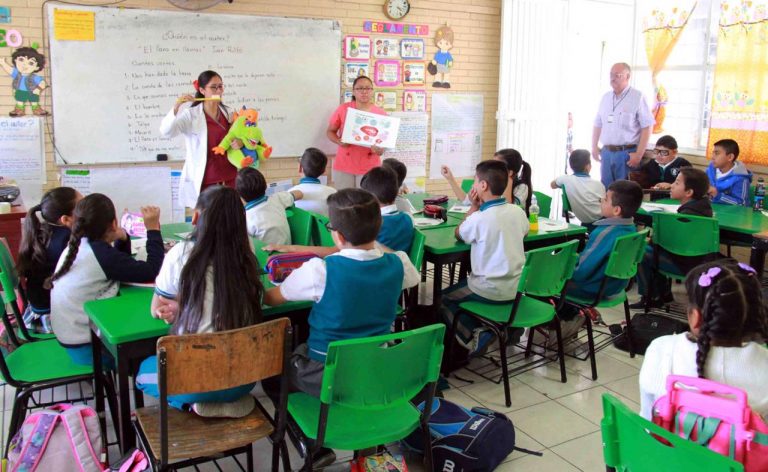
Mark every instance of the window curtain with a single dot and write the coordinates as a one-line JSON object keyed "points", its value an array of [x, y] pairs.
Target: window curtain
{"points": [[662, 28], [740, 89]]}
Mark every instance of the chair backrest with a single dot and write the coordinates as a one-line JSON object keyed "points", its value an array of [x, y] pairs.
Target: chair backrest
{"points": [[217, 361], [686, 235], [566, 204], [380, 371], [6, 262], [300, 222], [547, 269], [545, 203], [628, 251], [416, 254], [466, 185], [322, 235], [630, 443]]}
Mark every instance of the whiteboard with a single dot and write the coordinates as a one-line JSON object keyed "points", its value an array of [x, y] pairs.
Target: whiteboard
{"points": [[109, 95]]}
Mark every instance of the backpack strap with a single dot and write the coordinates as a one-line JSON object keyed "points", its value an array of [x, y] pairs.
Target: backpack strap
{"points": [[38, 439], [80, 440]]}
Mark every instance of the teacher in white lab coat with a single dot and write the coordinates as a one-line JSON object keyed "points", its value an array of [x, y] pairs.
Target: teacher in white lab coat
{"points": [[203, 123]]}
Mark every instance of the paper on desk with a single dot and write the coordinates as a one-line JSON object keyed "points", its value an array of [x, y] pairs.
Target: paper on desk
{"points": [[183, 235], [458, 208], [665, 207], [546, 225], [138, 243]]}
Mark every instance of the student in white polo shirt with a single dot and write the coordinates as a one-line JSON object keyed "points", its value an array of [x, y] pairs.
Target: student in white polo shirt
{"points": [[583, 192], [312, 164], [495, 229], [265, 216]]}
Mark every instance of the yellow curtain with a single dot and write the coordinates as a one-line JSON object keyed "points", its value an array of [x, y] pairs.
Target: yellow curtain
{"points": [[662, 28], [740, 89]]}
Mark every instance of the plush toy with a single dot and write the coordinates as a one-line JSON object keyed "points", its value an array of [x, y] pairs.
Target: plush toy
{"points": [[246, 130]]}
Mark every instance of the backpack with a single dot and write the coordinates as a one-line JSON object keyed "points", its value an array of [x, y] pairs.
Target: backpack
{"points": [[716, 416], [463, 440], [645, 328], [280, 266], [62, 438]]}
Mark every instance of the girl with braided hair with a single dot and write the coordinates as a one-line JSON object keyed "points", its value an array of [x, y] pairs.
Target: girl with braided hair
{"points": [[95, 261], [727, 338]]}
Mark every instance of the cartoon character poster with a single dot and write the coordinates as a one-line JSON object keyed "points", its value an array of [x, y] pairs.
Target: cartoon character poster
{"points": [[387, 73], [413, 73], [27, 83], [386, 48], [412, 48], [357, 48], [386, 100], [369, 129], [441, 64], [415, 100], [353, 70]]}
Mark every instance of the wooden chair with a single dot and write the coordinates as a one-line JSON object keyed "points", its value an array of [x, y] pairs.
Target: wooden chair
{"points": [[196, 363]]}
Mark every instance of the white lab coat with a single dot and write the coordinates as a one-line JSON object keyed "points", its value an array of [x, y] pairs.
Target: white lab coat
{"points": [[190, 122]]}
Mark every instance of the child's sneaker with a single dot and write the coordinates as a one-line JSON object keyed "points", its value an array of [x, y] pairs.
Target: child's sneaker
{"points": [[239, 408]]}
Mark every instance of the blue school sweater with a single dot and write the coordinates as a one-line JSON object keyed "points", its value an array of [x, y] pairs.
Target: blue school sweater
{"points": [[396, 229], [359, 300], [733, 188], [590, 269]]}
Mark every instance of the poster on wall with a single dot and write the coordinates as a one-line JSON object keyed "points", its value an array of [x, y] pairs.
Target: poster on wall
{"points": [[387, 73], [413, 73], [386, 48], [386, 100], [414, 100], [369, 129], [347, 96], [23, 155], [357, 48], [353, 70], [412, 48], [411, 147], [457, 133]]}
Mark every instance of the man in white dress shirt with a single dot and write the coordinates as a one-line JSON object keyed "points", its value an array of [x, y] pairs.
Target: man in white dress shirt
{"points": [[623, 125]]}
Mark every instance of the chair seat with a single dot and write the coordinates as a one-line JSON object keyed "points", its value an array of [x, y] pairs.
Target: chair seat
{"points": [[36, 336], [190, 435], [531, 312], [617, 299], [351, 428], [43, 360], [672, 275]]}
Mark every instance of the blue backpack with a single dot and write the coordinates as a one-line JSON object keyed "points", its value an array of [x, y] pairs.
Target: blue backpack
{"points": [[475, 440]]}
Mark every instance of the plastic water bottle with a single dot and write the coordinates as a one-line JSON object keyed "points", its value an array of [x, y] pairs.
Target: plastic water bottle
{"points": [[533, 214], [759, 195]]}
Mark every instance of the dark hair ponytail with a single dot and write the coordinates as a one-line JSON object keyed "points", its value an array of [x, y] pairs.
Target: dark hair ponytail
{"points": [[93, 216], [221, 245], [728, 296], [36, 230], [520, 170]]}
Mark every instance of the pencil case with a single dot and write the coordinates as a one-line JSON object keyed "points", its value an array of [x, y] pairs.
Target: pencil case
{"points": [[436, 212], [280, 266], [436, 200]]}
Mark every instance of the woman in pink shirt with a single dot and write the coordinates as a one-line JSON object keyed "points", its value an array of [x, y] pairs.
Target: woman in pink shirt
{"points": [[352, 161]]}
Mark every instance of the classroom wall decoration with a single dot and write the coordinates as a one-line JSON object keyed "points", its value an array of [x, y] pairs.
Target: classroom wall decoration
{"points": [[412, 48], [357, 48], [415, 100], [10, 38], [386, 100], [26, 81], [5, 15], [413, 73], [387, 73], [353, 70], [441, 64], [386, 48], [347, 96], [395, 28]]}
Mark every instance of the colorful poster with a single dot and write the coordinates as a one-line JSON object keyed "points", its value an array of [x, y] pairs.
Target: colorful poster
{"points": [[74, 25], [395, 28], [457, 133], [386, 48], [415, 100], [369, 129], [412, 48], [411, 147], [386, 100], [387, 73], [347, 96], [413, 73], [357, 48], [353, 70]]}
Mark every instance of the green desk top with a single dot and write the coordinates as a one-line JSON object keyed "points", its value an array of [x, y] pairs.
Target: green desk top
{"points": [[736, 218], [172, 230]]}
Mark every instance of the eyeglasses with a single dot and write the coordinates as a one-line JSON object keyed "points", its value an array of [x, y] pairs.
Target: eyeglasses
{"points": [[618, 76], [661, 152], [216, 87], [363, 89]]}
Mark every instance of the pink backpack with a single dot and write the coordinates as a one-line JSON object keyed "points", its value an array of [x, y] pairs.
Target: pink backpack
{"points": [[716, 416], [62, 438]]}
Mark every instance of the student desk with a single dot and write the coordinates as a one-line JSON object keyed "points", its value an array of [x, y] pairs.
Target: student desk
{"points": [[737, 223], [124, 327]]}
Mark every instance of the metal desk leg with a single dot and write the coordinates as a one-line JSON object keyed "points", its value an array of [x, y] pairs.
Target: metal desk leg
{"points": [[125, 430], [98, 386], [757, 256]]}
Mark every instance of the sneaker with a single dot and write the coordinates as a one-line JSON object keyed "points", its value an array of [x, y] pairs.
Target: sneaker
{"points": [[322, 458], [239, 408], [481, 339]]}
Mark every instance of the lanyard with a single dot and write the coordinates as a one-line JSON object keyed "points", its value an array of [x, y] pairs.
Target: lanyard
{"points": [[615, 103]]}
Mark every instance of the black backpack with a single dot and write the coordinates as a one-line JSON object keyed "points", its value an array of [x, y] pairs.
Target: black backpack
{"points": [[645, 328], [463, 440]]}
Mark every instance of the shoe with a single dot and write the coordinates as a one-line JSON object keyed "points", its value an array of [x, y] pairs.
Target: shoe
{"points": [[322, 458], [437, 84], [640, 305], [17, 112], [446, 85], [239, 408], [40, 112]]}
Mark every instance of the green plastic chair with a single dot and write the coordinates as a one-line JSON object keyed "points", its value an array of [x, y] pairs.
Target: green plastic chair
{"points": [[322, 235], [632, 443], [466, 185], [544, 275], [410, 296], [11, 288], [300, 221], [566, 205], [368, 385], [627, 252], [41, 365], [545, 203]]}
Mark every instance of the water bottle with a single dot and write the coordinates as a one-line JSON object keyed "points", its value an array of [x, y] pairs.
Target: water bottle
{"points": [[533, 214], [759, 195]]}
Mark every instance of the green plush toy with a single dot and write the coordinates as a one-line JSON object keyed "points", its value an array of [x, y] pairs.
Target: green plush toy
{"points": [[246, 130]]}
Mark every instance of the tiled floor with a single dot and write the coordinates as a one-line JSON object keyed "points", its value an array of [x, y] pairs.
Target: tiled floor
{"points": [[560, 420]]}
